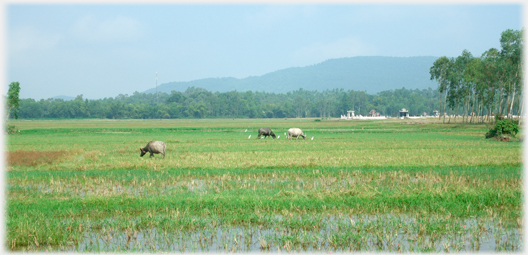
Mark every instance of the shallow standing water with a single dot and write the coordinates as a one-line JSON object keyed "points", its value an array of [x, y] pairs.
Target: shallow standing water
{"points": [[339, 234]]}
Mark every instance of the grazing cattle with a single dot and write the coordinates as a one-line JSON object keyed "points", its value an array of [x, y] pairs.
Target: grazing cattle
{"points": [[266, 132], [153, 147], [295, 132]]}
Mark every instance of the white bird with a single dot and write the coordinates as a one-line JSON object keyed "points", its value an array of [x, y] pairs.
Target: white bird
{"points": [[249, 137], [278, 137], [284, 133], [246, 130], [262, 137], [312, 138]]}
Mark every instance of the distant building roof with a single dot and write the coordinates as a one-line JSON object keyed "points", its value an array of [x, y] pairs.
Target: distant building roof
{"points": [[403, 110]]}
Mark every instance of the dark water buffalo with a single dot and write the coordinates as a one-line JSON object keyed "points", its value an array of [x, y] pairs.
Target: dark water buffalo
{"points": [[265, 132], [153, 147]]}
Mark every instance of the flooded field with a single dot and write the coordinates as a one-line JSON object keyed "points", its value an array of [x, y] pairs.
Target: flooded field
{"points": [[429, 188]]}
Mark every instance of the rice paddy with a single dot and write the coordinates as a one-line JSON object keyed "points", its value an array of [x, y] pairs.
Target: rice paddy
{"points": [[391, 186]]}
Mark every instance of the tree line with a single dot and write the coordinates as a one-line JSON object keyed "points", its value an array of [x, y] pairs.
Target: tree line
{"points": [[483, 86], [200, 103]]}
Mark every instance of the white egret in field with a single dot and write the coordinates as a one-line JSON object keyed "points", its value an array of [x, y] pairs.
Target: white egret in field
{"points": [[262, 137], [312, 138], [246, 130], [284, 133], [278, 137], [249, 137]]}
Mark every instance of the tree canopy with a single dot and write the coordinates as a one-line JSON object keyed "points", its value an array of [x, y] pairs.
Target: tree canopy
{"points": [[200, 103], [486, 85]]}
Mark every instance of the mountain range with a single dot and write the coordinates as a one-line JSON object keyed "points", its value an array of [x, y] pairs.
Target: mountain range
{"points": [[370, 73]]}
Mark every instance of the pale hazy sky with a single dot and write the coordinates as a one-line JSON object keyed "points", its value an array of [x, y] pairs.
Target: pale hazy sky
{"points": [[105, 50]]}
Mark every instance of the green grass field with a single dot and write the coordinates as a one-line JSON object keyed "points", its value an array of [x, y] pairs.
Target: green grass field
{"points": [[393, 185]]}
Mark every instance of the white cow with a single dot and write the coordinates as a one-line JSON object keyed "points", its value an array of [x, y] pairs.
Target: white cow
{"points": [[295, 132]]}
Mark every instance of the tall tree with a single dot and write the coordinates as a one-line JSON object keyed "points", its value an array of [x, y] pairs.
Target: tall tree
{"points": [[512, 47], [439, 72], [491, 75], [12, 99], [464, 79]]}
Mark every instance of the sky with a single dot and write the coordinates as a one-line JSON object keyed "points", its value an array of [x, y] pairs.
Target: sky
{"points": [[103, 50]]}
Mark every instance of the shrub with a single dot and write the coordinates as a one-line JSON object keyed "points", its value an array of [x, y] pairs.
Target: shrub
{"points": [[11, 129], [317, 120], [503, 127]]}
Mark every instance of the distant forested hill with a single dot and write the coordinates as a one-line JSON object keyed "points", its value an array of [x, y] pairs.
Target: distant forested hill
{"points": [[370, 74]]}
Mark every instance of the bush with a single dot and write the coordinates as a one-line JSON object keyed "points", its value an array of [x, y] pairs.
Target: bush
{"points": [[317, 120], [503, 127], [11, 129]]}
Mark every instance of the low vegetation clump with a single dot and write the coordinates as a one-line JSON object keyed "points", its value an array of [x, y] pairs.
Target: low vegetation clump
{"points": [[503, 127], [358, 186], [11, 129]]}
